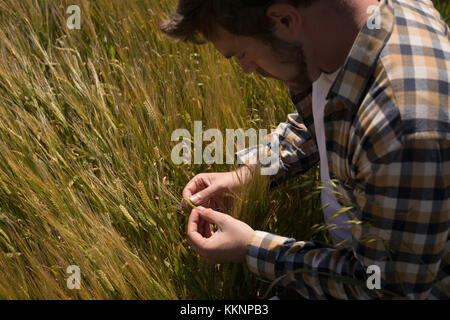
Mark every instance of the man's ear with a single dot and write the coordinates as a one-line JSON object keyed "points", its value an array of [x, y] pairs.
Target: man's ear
{"points": [[286, 17]]}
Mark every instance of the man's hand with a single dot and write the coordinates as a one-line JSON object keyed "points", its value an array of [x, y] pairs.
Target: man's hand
{"points": [[212, 190], [227, 244]]}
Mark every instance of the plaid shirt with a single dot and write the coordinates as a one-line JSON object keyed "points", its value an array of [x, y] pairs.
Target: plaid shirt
{"points": [[387, 134]]}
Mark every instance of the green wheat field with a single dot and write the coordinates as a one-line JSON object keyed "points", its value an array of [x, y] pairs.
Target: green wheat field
{"points": [[86, 176]]}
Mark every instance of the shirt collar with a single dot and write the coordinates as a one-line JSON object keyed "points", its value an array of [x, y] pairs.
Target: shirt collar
{"points": [[351, 83]]}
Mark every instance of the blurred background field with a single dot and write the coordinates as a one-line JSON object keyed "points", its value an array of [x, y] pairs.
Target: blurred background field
{"points": [[86, 177]]}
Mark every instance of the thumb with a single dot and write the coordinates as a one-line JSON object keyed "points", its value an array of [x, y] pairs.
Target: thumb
{"points": [[203, 196], [212, 216]]}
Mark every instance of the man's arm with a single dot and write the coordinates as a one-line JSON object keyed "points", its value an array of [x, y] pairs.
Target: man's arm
{"points": [[297, 149], [402, 227]]}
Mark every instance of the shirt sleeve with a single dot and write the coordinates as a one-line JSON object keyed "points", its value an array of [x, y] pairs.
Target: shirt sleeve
{"points": [[290, 150], [400, 224]]}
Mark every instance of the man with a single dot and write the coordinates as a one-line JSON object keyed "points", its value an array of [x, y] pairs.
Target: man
{"points": [[370, 83]]}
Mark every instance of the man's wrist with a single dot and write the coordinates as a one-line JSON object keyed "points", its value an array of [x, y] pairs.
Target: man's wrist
{"points": [[249, 244], [262, 253], [243, 175]]}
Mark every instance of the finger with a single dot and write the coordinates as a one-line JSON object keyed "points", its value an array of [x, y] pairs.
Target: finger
{"points": [[209, 231], [206, 229], [200, 244], [186, 195], [195, 238], [212, 216], [202, 227], [187, 191], [203, 196], [195, 185]]}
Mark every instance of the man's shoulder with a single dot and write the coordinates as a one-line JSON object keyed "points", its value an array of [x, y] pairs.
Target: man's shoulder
{"points": [[410, 90], [421, 14], [419, 40]]}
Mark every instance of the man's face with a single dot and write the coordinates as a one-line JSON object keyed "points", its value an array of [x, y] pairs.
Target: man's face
{"points": [[279, 60]]}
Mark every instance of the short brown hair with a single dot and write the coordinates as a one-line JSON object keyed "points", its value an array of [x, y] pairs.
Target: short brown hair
{"points": [[196, 20]]}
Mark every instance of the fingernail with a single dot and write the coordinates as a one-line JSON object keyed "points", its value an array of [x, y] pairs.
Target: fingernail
{"points": [[194, 198], [200, 208]]}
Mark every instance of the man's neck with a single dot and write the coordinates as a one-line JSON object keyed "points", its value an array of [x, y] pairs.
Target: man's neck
{"points": [[331, 28]]}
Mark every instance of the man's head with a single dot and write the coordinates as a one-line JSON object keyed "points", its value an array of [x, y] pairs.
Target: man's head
{"points": [[264, 35]]}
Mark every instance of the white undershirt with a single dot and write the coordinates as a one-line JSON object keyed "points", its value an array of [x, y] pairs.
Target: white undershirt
{"points": [[321, 87]]}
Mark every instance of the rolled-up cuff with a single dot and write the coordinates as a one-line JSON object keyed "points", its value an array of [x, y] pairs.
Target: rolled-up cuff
{"points": [[262, 252], [265, 156], [248, 157]]}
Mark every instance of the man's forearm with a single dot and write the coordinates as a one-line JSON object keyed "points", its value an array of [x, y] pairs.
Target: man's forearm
{"points": [[243, 175]]}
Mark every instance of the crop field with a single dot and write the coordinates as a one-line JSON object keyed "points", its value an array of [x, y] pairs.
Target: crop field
{"points": [[86, 176]]}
